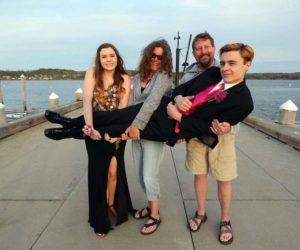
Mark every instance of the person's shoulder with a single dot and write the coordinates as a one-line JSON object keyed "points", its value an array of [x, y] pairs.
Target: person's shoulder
{"points": [[164, 74], [90, 74], [192, 66], [90, 70], [126, 77], [135, 78]]}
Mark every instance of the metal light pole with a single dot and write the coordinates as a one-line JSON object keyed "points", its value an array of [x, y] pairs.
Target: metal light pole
{"points": [[187, 54], [177, 60], [23, 83]]}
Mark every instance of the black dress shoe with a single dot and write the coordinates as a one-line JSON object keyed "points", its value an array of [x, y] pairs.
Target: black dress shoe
{"points": [[58, 133], [55, 117]]}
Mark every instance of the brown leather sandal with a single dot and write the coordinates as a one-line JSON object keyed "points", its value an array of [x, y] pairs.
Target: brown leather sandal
{"points": [[156, 223], [226, 229], [139, 214], [195, 219]]}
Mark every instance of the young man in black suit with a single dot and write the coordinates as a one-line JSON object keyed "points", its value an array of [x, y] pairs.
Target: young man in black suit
{"points": [[221, 160]]}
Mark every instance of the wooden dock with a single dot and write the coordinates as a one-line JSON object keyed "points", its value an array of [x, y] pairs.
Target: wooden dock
{"points": [[43, 197]]}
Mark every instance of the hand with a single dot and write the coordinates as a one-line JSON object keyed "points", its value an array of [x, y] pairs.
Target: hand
{"points": [[133, 132], [111, 139], [173, 112], [87, 130], [95, 135], [180, 141], [184, 103], [220, 128], [124, 137]]}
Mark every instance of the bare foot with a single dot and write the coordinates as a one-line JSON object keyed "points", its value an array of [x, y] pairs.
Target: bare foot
{"points": [[101, 236], [111, 139], [124, 137]]}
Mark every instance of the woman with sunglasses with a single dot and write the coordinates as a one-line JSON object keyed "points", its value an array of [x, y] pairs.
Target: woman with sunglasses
{"points": [[150, 84]]}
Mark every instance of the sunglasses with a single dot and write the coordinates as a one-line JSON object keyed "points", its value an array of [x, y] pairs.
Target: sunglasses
{"points": [[159, 57]]}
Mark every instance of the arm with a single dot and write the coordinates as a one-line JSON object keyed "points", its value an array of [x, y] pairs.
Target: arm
{"points": [[192, 125], [88, 89], [161, 86]]}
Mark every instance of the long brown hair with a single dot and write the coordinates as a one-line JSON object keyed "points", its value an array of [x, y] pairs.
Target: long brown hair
{"points": [[166, 63], [119, 71]]}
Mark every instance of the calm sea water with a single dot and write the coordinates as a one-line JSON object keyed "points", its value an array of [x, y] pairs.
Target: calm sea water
{"points": [[38, 92], [268, 95]]}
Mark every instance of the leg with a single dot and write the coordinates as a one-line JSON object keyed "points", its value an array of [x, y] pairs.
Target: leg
{"points": [[100, 118], [63, 133], [197, 164], [111, 187], [223, 167], [112, 181], [152, 156], [200, 185], [225, 195]]}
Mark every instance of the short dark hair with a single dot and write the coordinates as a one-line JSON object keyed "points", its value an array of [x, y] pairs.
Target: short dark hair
{"points": [[205, 35]]}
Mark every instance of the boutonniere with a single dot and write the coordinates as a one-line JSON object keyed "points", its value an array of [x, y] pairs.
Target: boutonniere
{"points": [[219, 97]]}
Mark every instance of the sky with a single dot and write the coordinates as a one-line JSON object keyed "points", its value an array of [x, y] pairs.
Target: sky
{"points": [[65, 34]]}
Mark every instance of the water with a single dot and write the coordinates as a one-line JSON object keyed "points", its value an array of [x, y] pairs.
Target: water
{"points": [[37, 93], [268, 95]]}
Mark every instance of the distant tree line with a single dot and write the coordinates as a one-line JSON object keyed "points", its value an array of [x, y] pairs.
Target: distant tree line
{"points": [[45, 74], [65, 74], [274, 76]]}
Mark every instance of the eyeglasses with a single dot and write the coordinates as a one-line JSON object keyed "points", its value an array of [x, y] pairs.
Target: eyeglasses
{"points": [[159, 57]]}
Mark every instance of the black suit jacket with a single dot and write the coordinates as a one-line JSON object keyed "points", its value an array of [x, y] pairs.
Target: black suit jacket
{"points": [[234, 108]]}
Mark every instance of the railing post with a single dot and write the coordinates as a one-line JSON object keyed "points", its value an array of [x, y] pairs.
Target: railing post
{"points": [[78, 95], [53, 100], [288, 113], [2, 114], [23, 83]]}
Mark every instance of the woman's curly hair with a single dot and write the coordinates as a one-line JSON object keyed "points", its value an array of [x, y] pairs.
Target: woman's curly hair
{"points": [[166, 63]]}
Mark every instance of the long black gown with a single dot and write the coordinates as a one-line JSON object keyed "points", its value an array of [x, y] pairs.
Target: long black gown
{"points": [[100, 154]]}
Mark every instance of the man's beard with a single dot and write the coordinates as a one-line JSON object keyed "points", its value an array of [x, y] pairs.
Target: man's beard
{"points": [[206, 63]]}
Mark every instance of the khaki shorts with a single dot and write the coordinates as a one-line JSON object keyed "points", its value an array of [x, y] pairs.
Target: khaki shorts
{"points": [[220, 161]]}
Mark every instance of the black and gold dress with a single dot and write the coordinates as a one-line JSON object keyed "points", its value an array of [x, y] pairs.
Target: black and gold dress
{"points": [[100, 154]]}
